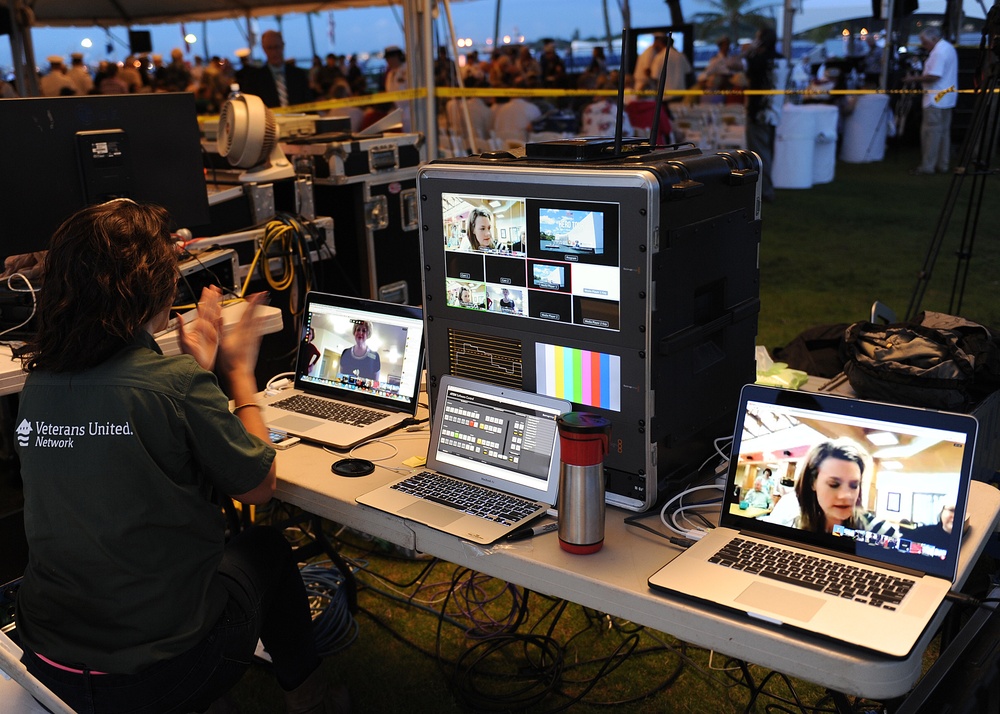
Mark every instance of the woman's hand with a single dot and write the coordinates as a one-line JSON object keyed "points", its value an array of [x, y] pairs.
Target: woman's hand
{"points": [[201, 338], [239, 346]]}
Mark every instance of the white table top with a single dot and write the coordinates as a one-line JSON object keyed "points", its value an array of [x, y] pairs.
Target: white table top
{"points": [[12, 376], [613, 580]]}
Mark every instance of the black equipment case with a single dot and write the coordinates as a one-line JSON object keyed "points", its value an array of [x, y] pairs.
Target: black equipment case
{"points": [[367, 184], [625, 282]]}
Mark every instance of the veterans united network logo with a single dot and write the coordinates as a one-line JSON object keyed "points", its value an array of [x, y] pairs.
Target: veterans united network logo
{"points": [[24, 432]]}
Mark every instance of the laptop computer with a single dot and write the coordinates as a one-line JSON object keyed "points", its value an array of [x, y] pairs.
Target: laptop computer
{"points": [[490, 436], [357, 372], [862, 486]]}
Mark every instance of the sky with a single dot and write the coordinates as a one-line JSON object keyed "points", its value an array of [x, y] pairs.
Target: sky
{"points": [[352, 31]]}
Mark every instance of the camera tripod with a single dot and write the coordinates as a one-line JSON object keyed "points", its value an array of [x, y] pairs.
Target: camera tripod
{"points": [[977, 152]]}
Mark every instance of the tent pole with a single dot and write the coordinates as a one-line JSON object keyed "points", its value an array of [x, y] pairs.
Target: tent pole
{"points": [[467, 119]]}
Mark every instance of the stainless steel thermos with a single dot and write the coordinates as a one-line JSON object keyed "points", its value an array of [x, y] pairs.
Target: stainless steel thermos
{"points": [[583, 444]]}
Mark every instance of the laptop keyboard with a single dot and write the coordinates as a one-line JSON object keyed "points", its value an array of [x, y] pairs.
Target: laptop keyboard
{"points": [[467, 497], [329, 410], [809, 571]]}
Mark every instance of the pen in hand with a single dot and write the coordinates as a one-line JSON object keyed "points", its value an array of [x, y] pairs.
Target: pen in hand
{"points": [[523, 533]]}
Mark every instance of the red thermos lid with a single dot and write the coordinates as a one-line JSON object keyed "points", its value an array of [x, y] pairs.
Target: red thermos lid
{"points": [[583, 438]]}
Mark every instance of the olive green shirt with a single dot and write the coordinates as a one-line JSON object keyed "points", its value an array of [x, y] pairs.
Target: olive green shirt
{"points": [[119, 463]]}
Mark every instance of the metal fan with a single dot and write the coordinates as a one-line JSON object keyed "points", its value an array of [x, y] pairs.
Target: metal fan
{"points": [[248, 138]]}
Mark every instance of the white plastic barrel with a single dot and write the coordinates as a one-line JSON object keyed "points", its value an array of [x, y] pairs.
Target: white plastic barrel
{"points": [[825, 151], [794, 148], [865, 130]]}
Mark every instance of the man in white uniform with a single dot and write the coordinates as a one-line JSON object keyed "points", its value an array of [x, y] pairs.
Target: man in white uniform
{"points": [[56, 83], [939, 76]]}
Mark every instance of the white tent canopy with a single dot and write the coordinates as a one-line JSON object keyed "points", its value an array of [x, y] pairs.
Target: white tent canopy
{"points": [[106, 13], [25, 14]]}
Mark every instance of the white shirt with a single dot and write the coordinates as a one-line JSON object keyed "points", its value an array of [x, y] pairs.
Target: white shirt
{"points": [[512, 121], [395, 81], [942, 63], [640, 79], [53, 84], [81, 78], [678, 68], [479, 114]]}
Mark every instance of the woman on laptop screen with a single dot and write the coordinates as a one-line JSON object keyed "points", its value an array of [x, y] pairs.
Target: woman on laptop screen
{"points": [[480, 230], [828, 489], [360, 361]]}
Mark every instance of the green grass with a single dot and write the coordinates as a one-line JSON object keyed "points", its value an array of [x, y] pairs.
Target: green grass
{"points": [[561, 656], [826, 254]]}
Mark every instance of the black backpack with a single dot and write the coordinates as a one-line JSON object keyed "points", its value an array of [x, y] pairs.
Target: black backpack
{"points": [[938, 361]]}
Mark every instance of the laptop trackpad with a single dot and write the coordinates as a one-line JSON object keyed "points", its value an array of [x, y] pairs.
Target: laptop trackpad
{"points": [[782, 602], [294, 424], [430, 513]]}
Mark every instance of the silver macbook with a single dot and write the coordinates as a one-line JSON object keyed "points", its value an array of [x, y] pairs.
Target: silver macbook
{"points": [[500, 443], [842, 518], [357, 372]]}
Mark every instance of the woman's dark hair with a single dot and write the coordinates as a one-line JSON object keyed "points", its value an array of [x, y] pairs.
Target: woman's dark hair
{"points": [[474, 215], [110, 269], [811, 516]]}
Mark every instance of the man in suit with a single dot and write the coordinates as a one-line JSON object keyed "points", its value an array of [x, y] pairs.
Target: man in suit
{"points": [[267, 81]]}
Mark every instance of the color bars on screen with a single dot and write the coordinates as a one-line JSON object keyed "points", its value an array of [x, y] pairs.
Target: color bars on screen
{"points": [[581, 376]]}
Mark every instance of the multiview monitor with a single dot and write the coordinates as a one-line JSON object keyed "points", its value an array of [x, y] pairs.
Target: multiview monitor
{"points": [[522, 257]]}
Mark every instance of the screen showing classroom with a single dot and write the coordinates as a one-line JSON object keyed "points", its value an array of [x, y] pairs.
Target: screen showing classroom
{"points": [[532, 258]]}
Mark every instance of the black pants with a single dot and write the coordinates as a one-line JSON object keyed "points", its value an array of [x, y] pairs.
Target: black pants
{"points": [[267, 600]]}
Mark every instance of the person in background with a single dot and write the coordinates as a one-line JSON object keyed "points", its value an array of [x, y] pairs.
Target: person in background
{"points": [[342, 90], [758, 496], [642, 74], [130, 74], [355, 77], [598, 62], [679, 72], [246, 66], [479, 114], [80, 75], [361, 361], [526, 65], [445, 74], [553, 67], [120, 611], [600, 117], [718, 74], [278, 83], [7, 90], [176, 76], [936, 534], [473, 68], [763, 111], [395, 80], [514, 118], [56, 83], [940, 74], [308, 352], [111, 81]]}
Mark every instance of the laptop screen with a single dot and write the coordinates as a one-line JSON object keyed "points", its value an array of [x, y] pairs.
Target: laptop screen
{"points": [[362, 349], [884, 482], [501, 437]]}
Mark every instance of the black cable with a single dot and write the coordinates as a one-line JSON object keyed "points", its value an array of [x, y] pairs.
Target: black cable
{"points": [[676, 540], [968, 600]]}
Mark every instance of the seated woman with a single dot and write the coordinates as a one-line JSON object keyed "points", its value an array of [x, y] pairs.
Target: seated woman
{"points": [[132, 599], [828, 489]]}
